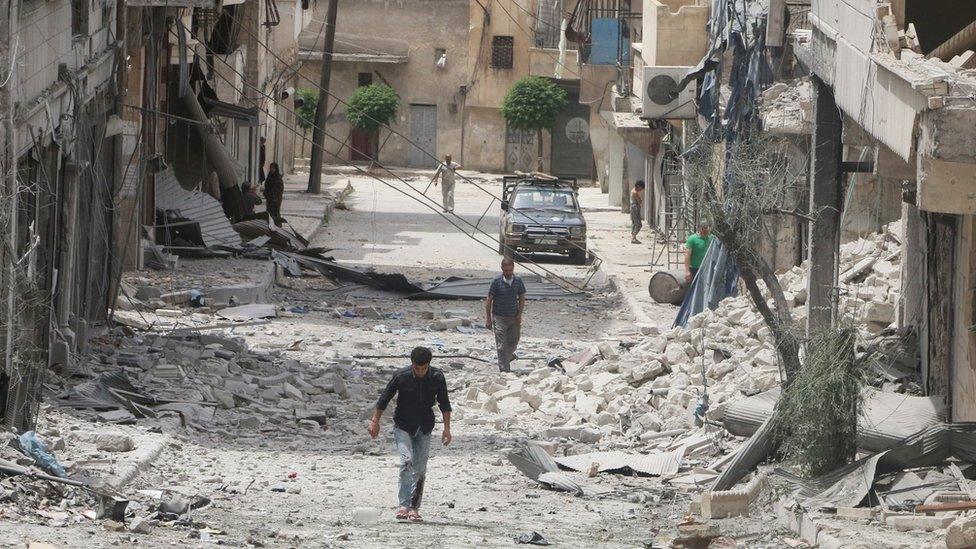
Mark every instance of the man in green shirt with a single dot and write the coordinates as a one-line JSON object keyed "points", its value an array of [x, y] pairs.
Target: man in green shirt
{"points": [[695, 248]]}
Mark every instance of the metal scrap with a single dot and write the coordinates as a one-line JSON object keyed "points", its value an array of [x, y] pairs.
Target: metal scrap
{"points": [[538, 465], [886, 418], [657, 464], [848, 486]]}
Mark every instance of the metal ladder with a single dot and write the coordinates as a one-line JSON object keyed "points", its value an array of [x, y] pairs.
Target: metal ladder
{"points": [[680, 214]]}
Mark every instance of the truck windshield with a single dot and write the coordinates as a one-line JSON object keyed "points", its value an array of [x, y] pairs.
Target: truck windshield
{"points": [[543, 199]]}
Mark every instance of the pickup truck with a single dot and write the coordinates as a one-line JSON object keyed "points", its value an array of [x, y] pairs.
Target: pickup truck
{"points": [[541, 214]]}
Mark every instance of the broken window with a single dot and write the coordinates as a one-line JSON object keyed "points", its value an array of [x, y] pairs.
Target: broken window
{"points": [[365, 79], [502, 52], [79, 18]]}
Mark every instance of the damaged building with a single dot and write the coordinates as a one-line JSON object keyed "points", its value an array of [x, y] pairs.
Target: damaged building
{"points": [[62, 145], [906, 97]]}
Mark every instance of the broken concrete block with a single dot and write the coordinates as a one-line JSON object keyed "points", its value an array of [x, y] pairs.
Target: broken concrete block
{"points": [[675, 354], [531, 397], [114, 442], [732, 503], [905, 523], [224, 398], [292, 392], [880, 313], [272, 393], [240, 387], [961, 534], [604, 418], [564, 432], [608, 351], [446, 324], [646, 371], [857, 513], [141, 525]]}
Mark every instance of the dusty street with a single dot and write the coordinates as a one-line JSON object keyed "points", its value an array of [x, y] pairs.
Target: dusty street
{"points": [[259, 438], [300, 488]]}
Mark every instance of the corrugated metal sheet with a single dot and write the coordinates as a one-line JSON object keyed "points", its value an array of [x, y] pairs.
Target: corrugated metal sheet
{"points": [[847, 486], [886, 418], [196, 206], [658, 464]]}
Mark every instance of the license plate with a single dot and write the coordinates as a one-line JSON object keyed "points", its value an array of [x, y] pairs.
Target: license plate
{"points": [[547, 241]]}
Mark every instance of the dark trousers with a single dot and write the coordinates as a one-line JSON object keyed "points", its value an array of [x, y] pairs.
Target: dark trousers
{"points": [[274, 210]]}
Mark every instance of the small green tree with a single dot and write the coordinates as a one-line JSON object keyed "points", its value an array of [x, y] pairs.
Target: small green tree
{"points": [[532, 105], [372, 106], [306, 113]]}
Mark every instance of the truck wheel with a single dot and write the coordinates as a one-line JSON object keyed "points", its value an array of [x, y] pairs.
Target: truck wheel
{"points": [[578, 257]]}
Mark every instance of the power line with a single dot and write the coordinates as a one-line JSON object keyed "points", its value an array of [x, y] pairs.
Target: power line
{"points": [[388, 127], [427, 204]]}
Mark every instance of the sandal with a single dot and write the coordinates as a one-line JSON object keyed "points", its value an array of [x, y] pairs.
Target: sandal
{"points": [[415, 516], [403, 514]]}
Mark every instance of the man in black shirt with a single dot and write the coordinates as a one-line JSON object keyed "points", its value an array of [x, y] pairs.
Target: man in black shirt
{"points": [[417, 388]]}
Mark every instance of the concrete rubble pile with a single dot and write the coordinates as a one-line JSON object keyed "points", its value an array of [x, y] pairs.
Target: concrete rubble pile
{"points": [[215, 384], [643, 393]]}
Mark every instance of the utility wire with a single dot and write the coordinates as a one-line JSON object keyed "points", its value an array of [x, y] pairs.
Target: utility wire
{"points": [[338, 100], [429, 203]]}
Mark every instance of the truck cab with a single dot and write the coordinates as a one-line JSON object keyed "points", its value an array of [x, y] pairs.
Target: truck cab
{"points": [[541, 214]]}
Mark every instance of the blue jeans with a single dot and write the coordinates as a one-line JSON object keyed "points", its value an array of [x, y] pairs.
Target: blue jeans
{"points": [[414, 451]]}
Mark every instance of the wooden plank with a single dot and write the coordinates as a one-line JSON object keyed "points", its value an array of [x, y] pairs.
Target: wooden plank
{"points": [[946, 187], [951, 506]]}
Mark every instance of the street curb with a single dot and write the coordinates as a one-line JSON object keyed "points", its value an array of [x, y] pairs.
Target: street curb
{"points": [[640, 317], [144, 458], [805, 526]]}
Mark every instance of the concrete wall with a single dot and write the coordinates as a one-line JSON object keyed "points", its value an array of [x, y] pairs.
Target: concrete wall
{"points": [[964, 348], [675, 32], [45, 39], [424, 25]]}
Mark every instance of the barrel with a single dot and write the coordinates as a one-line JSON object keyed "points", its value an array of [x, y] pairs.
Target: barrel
{"points": [[668, 287]]}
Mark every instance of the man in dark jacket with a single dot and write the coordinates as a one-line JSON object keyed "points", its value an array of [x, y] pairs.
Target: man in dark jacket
{"points": [[417, 388], [274, 191]]}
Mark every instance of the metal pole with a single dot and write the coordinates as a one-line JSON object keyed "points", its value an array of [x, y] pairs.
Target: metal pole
{"points": [[318, 132]]}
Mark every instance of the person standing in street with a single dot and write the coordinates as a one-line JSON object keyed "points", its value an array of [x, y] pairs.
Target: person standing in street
{"points": [[274, 192], [503, 309], [261, 157], [416, 387], [695, 248], [636, 211], [446, 172]]}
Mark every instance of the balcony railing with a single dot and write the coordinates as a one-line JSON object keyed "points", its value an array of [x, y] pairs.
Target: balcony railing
{"points": [[547, 23]]}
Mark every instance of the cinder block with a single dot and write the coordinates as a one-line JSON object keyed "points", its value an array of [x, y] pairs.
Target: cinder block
{"points": [[731, 503]]}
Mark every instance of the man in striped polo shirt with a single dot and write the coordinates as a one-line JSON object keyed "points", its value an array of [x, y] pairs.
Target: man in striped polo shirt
{"points": [[503, 309]]}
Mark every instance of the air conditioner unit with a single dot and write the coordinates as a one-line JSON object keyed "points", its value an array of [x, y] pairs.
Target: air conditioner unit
{"points": [[662, 100]]}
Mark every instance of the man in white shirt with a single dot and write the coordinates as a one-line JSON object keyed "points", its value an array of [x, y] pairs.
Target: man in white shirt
{"points": [[446, 173]]}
